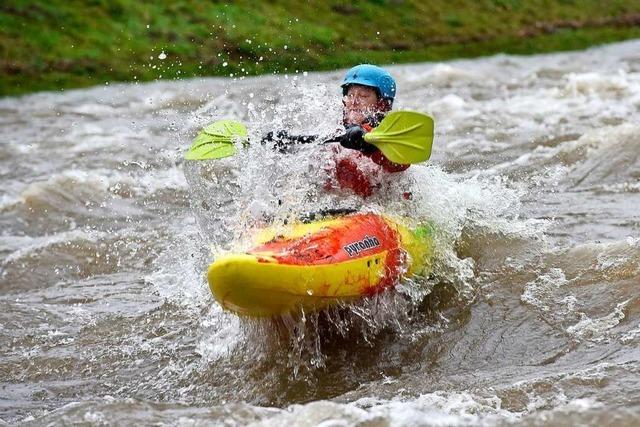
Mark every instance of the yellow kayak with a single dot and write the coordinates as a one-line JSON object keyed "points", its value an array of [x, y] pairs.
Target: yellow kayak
{"points": [[313, 265]]}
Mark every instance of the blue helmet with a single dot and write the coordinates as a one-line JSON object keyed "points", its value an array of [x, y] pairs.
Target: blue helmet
{"points": [[372, 76]]}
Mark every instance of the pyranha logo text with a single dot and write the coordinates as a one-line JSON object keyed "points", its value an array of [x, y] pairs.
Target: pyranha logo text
{"points": [[361, 245]]}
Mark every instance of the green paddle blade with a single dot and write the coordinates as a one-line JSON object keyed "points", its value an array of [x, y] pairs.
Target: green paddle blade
{"points": [[404, 137], [211, 151], [217, 141]]}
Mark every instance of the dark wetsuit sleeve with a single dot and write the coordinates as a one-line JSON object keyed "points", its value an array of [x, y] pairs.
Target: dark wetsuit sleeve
{"points": [[283, 141]]}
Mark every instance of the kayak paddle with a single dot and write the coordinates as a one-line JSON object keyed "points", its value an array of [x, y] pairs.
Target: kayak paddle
{"points": [[404, 137], [216, 141]]}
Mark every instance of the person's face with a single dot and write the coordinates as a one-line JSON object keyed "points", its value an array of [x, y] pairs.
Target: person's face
{"points": [[359, 103]]}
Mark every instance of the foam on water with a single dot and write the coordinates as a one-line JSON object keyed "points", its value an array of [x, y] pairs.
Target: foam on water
{"points": [[596, 329]]}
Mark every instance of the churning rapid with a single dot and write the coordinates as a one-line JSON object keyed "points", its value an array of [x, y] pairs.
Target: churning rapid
{"points": [[531, 316]]}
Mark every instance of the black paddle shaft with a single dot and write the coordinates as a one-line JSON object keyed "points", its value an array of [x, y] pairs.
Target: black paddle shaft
{"points": [[353, 138]]}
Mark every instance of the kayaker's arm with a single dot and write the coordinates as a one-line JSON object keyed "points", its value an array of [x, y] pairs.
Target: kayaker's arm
{"points": [[352, 139], [283, 141]]}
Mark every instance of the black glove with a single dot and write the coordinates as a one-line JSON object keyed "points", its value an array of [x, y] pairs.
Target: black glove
{"points": [[354, 139]]}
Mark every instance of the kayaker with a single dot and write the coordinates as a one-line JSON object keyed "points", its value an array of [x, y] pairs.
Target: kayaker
{"points": [[368, 94]]}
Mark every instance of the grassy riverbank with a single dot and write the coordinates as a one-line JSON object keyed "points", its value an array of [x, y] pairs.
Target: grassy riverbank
{"points": [[50, 45]]}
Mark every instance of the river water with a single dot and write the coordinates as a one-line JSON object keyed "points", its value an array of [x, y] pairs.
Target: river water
{"points": [[530, 318]]}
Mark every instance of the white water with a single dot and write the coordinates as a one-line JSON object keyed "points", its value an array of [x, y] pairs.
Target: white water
{"points": [[531, 317]]}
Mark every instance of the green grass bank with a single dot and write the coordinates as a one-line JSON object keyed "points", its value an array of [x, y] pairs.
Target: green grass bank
{"points": [[52, 45]]}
